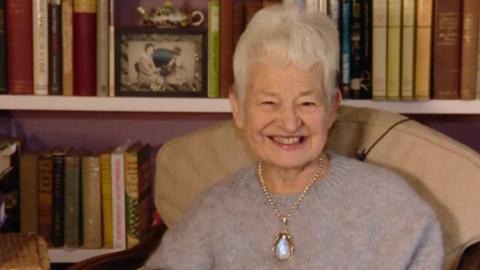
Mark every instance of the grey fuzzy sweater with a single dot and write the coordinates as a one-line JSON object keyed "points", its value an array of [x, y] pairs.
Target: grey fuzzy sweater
{"points": [[358, 217]]}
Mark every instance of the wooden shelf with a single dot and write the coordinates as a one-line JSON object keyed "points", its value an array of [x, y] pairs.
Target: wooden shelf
{"points": [[210, 105], [60, 255]]}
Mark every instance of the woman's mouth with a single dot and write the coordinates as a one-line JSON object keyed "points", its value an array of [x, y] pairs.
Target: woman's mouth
{"points": [[290, 140]]}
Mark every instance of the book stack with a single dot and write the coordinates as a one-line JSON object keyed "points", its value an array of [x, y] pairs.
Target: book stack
{"points": [[79, 199]]}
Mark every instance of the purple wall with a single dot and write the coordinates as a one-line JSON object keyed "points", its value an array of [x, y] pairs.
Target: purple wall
{"points": [[97, 130]]}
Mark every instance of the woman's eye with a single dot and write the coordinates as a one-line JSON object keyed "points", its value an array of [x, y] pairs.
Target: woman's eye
{"points": [[309, 104], [267, 102]]}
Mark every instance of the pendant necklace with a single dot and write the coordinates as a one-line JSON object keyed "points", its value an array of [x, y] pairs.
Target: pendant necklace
{"points": [[283, 246]]}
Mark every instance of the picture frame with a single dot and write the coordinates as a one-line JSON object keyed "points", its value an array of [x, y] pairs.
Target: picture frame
{"points": [[152, 61]]}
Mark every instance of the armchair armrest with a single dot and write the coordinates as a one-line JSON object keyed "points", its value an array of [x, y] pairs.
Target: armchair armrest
{"points": [[470, 259], [131, 258]]}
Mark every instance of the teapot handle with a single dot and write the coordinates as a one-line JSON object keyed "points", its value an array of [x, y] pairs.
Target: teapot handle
{"points": [[197, 18]]}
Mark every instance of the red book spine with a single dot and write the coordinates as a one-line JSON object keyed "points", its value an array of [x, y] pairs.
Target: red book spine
{"points": [[226, 46], [84, 48], [19, 46]]}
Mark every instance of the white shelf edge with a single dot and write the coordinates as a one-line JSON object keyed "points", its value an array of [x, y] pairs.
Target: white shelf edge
{"points": [[61, 255], [210, 105], [421, 107], [114, 104]]}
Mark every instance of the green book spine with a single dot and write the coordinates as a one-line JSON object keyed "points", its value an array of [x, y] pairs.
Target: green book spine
{"points": [[213, 48]]}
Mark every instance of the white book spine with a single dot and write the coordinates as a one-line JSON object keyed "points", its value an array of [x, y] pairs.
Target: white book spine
{"points": [[117, 162], [40, 46], [118, 200], [102, 47]]}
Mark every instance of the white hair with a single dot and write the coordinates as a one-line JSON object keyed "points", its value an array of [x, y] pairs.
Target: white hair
{"points": [[292, 36]]}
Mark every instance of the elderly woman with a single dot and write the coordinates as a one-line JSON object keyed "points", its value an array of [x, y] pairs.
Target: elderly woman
{"points": [[298, 207]]}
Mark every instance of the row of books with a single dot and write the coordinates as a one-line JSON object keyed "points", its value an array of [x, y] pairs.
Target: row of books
{"points": [[50, 47], [409, 49], [76, 199], [390, 49]]}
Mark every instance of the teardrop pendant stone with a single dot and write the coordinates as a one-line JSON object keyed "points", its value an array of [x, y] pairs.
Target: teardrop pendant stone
{"points": [[283, 248]]}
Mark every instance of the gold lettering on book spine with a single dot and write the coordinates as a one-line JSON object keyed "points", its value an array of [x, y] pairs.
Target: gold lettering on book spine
{"points": [[85, 6]]}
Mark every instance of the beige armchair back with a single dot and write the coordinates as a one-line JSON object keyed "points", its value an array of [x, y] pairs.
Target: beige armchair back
{"points": [[444, 172]]}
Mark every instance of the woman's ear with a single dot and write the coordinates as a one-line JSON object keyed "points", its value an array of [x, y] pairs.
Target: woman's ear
{"points": [[236, 110], [332, 114]]}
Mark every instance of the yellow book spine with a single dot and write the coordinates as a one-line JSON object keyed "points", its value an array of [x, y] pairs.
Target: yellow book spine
{"points": [[86, 6], [106, 177], [394, 49], [379, 47], [132, 198], [408, 47], [423, 45], [67, 47]]}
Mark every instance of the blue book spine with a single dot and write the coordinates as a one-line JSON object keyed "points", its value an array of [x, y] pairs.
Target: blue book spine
{"points": [[346, 74]]}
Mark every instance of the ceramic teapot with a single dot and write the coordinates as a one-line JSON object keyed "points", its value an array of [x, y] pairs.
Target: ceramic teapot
{"points": [[169, 16]]}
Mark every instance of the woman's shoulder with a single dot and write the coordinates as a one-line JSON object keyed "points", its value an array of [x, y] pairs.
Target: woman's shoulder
{"points": [[239, 184], [376, 184]]}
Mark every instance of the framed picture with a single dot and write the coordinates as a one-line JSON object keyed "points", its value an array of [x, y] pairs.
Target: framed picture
{"points": [[160, 62]]}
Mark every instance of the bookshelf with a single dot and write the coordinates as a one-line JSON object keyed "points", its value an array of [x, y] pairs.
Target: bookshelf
{"points": [[210, 105]]}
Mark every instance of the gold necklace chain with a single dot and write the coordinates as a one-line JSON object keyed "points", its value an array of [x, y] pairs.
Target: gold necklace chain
{"points": [[271, 202]]}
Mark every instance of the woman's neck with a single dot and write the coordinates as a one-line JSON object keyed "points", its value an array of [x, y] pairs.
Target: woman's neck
{"points": [[289, 181]]}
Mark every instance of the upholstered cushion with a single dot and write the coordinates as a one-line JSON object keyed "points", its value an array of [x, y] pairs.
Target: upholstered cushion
{"points": [[444, 172]]}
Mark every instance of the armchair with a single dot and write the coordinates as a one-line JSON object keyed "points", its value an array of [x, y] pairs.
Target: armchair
{"points": [[445, 173]]}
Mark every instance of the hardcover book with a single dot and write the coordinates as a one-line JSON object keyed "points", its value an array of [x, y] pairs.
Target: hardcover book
{"points": [[138, 187], [55, 73], [84, 47], [29, 192], [58, 171], [394, 49], [468, 78], [67, 47], [19, 46], [356, 49], [345, 48], [366, 49], [3, 50], [73, 196], [227, 46], [379, 47], [102, 47], [446, 49], [91, 199], [213, 48], [408, 49], [423, 49], [106, 178], [118, 196], [45, 195], [40, 47]]}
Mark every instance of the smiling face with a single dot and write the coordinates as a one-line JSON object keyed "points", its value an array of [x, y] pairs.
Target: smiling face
{"points": [[285, 114]]}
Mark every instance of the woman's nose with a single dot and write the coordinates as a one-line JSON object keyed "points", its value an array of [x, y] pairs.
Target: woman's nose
{"points": [[289, 119]]}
